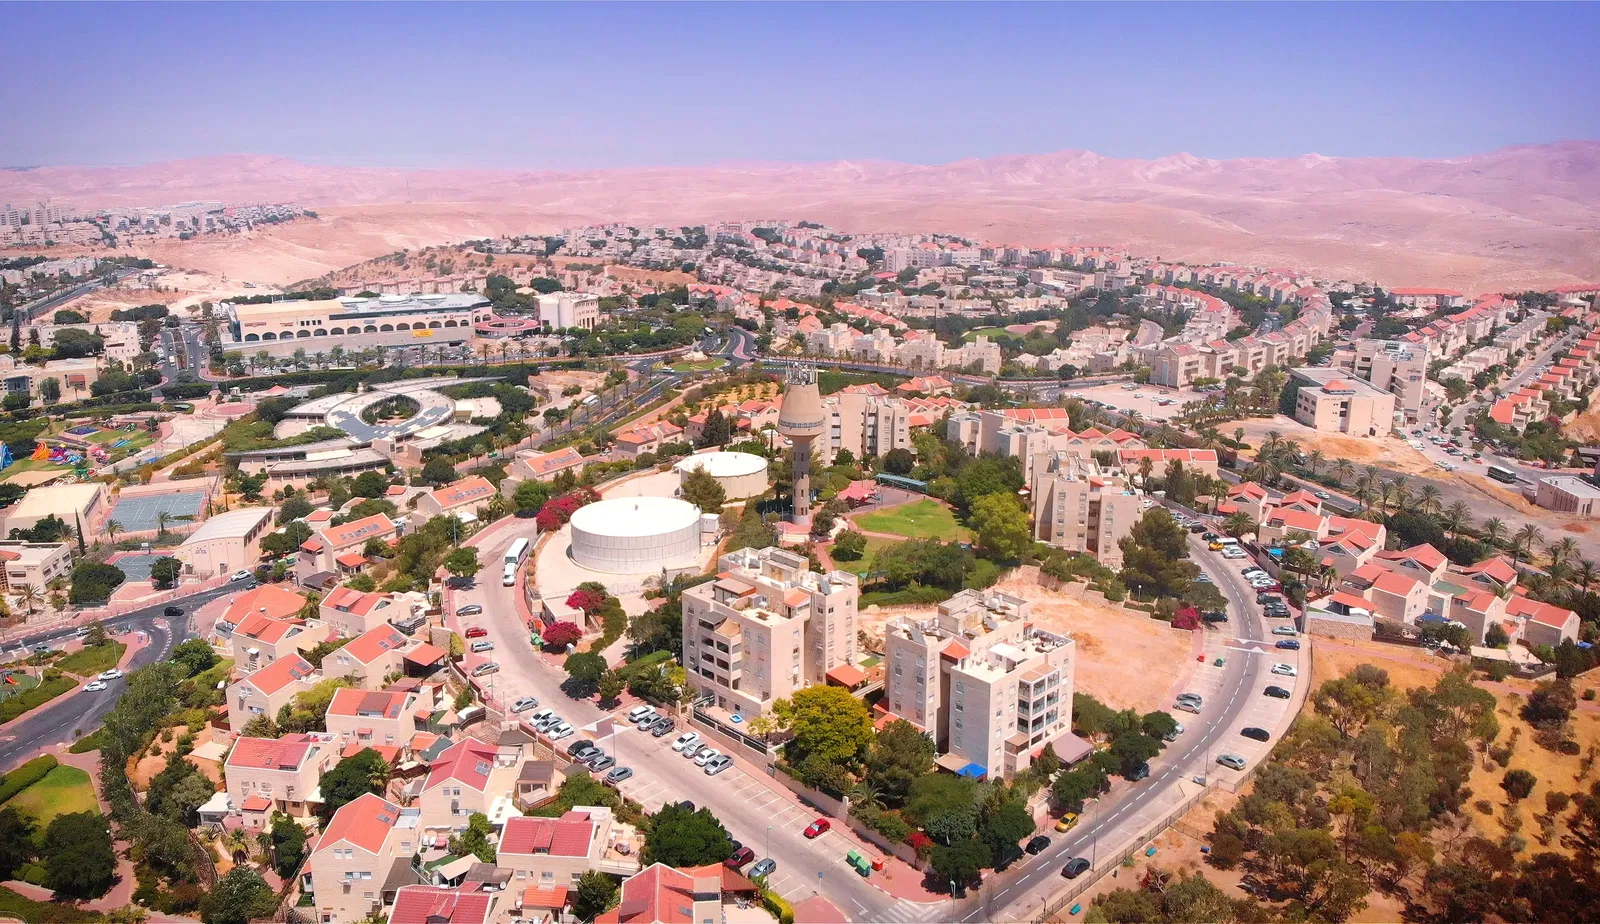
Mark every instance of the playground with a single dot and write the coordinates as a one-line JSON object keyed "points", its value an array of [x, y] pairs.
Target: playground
{"points": [[15, 683], [75, 451]]}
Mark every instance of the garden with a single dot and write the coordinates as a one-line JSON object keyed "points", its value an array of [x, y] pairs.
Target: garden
{"points": [[920, 519]]}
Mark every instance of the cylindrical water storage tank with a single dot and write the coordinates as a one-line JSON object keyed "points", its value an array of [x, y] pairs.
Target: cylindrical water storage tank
{"points": [[741, 474], [636, 535]]}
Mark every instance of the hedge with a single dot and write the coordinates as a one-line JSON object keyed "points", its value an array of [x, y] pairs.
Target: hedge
{"points": [[34, 698], [777, 907], [24, 776], [911, 595], [90, 742], [639, 665]]}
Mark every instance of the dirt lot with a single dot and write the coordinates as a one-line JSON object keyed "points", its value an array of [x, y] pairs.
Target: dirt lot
{"points": [[1409, 667], [1390, 452], [1114, 644]]}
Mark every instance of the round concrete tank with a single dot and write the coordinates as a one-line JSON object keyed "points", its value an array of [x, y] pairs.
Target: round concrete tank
{"points": [[636, 535]]}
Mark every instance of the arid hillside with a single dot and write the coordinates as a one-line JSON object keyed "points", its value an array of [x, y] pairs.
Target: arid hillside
{"points": [[1520, 216]]}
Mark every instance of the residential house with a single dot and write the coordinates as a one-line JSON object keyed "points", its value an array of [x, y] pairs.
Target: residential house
{"points": [[469, 777], [661, 894], [337, 549], [349, 612], [361, 860], [1393, 595], [639, 439], [532, 465], [381, 718], [267, 690], [556, 852], [370, 658], [1543, 623], [266, 775], [259, 640], [426, 904], [460, 499]]}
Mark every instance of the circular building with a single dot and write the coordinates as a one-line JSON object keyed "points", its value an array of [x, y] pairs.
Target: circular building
{"points": [[741, 474], [636, 535]]}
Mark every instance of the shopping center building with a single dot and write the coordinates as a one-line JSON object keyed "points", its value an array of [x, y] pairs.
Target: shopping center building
{"points": [[314, 325]]}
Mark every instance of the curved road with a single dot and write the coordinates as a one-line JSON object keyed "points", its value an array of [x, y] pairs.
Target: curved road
{"points": [[66, 720]]}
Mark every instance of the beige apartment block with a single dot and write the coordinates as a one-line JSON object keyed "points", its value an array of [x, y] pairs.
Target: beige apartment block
{"points": [[369, 659], [459, 498], [367, 717], [360, 860], [349, 612], [988, 687], [768, 626], [1078, 507], [321, 553], [469, 777], [1398, 368], [32, 564], [268, 690], [532, 465], [550, 853], [260, 640], [1331, 401], [278, 774]]}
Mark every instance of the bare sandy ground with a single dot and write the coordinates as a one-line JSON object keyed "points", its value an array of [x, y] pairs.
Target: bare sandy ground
{"points": [[1389, 452]]}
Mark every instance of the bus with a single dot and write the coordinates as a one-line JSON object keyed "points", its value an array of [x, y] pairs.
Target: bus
{"points": [[1502, 474], [515, 556]]}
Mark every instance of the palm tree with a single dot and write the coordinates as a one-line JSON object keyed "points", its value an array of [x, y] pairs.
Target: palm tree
{"points": [[1559, 573], [1586, 574], [1273, 441], [1494, 529], [162, 519], [1363, 492], [30, 597], [1429, 501], [1315, 460], [112, 527], [1525, 540], [1562, 550], [1262, 472], [1457, 517], [1237, 524], [1238, 434], [866, 794], [1343, 469], [1401, 495]]}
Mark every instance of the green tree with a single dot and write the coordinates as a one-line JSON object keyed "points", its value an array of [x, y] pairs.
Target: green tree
{"points": [[679, 837], [475, 839], [164, 573], [462, 562], [16, 842], [899, 461], [610, 686], [530, 496], [829, 723], [988, 475], [370, 484], [960, 863], [584, 670], [597, 891], [1519, 784], [1002, 525], [1004, 828], [50, 390], [717, 430], [238, 898], [364, 772], [702, 489], [1155, 554], [850, 546], [288, 844], [900, 753], [438, 470], [79, 862]]}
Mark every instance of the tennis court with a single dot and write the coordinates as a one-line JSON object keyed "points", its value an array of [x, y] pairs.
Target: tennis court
{"points": [[142, 513], [135, 566]]}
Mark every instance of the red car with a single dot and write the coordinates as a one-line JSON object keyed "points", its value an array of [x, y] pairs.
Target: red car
{"points": [[818, 828], [477, 632]]}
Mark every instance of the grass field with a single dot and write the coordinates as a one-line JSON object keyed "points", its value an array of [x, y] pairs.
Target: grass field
{"points": [[63, 791], [875, 545], [990, 332], [93, 660], [923, 519], [703, 365]]}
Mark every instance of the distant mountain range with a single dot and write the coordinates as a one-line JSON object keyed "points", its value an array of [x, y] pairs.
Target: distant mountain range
{"points": [[1521, 215]]}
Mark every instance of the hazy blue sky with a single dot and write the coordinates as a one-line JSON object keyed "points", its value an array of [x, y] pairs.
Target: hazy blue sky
{"points": [[604, 85]]}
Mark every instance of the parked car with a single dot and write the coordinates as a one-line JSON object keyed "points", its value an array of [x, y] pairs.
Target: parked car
{"points": [[818, 828], [741, 856], [1075, 867], [1265, 597], [706, 756], [482, 645], [1285, 670], [637, 713], [694, 750], [1140, 772], [1276, 692], [686, 740], [524, 704], [485, 669], [1196, 698], [1321, 495], [560, 731], [1067, 822], [241, 576], [580, 747], [1289, 644], [1187, 705], [764, 867], [94, 686], [1214, 616], [1037, 845], [1255, 734], [662, 727], [718, 764], [471, 609], [1177, 729], [618, 774], [112, 674], [1284, 630], [1232, 761], [603, 762], [476, 632]]}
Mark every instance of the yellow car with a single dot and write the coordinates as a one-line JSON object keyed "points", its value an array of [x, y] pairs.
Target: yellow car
{"points": [[1215, 546], [1067, 822]]}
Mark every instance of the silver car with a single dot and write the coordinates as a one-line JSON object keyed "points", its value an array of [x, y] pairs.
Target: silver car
{"points": [[718, 764]]}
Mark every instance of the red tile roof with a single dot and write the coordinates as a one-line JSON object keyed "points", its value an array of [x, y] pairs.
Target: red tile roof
{"points": [[349, 701], [466, 491], [358, 531], [466, 762], [1543, 613], [373, 643], [553, 898], [543, 463], [364, 822], [1497, 568], [567, 836], [422, 904], [279, 674], [352, 559], [350, 600], [286, 753], [267, 600], [1425, 555]]}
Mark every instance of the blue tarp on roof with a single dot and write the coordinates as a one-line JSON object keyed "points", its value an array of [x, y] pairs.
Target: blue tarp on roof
{"points": [[975, 770]]}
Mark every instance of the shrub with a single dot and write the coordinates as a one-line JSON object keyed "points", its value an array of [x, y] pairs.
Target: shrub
{"points": [[561, 634], [26, 775], [777, 907]]}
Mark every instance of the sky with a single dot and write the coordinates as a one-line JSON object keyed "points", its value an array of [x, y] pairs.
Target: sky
{"points": [[551, 86]]}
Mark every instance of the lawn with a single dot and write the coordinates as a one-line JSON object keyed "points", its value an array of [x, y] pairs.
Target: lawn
{"points": [[63, 790], [703, 365], [990, 332], [862, 565], [15, 706], [923, 519], [93, 660]]}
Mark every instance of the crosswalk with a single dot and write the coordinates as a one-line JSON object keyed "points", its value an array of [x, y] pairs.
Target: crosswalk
{"points": [[909, 912]]}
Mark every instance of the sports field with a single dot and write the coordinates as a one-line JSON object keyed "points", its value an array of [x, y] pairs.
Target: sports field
{"points": [[922, 519]]}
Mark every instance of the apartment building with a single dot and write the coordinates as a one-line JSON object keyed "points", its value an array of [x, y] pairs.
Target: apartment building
{"points": [[32, 564], [981, 354], [73, 377], [1331, 401], [566, 310], [281, 327], [361, 859], [349, 613], [988, 687], [766, 627], [1567, 494], [1520, 408], [381, 718], [370, 658], [1079, 507], [266, 775], [551, 853], [260, 640], [639, 439], [470, 776], [1027, 433], [1427, 298], [267, 690], [1392, 366]]}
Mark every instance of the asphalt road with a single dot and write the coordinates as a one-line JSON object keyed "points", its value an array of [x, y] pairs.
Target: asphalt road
{"points": [[81, 713], [1018, 893], [744, 804]]}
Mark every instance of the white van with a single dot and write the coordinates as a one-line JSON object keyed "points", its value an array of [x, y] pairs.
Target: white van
{"points": [[509, 579]]}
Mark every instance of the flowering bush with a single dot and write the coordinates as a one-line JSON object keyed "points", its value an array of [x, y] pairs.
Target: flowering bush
{"points": [[561, 634], [558, 510], [1186, 618], [921, 843], [587, 600]]}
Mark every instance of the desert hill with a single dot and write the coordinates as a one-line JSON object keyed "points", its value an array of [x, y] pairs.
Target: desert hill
{"points": [[1519, 216]]}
